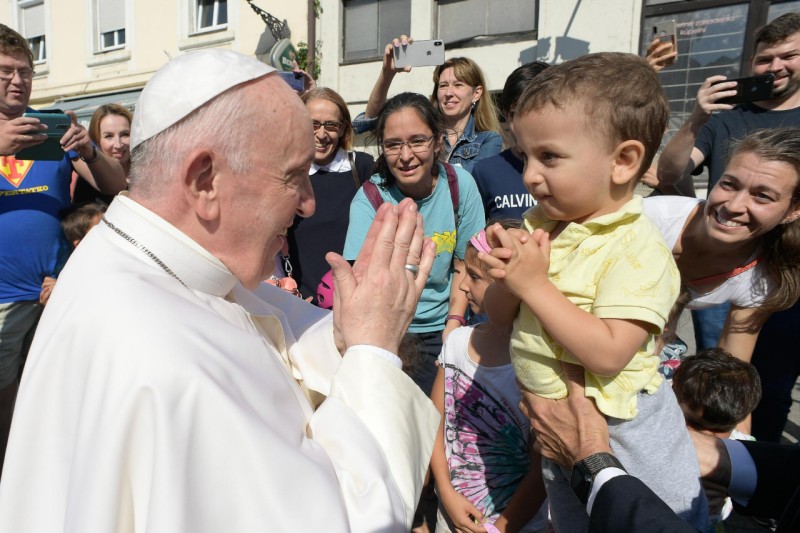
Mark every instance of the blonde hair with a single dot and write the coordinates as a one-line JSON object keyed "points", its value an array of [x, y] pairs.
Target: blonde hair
{"points": [[467, 71]]}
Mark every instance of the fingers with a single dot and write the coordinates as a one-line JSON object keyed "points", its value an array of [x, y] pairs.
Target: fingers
{"points": [[343, 277], [575, 378], [407, 223], [425, 265], [417, 242], [365, 254]]}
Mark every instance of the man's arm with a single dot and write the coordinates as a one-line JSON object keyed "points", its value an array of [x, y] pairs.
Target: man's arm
{"points": [[381, 88], [680, 156]]}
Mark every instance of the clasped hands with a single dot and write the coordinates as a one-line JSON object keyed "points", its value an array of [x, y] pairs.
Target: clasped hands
{"points": [[376, 299], [519, 260]]}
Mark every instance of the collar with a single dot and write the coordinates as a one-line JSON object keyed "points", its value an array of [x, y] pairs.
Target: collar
{"points": [[193, 264], [339, 163], [631, 210]]}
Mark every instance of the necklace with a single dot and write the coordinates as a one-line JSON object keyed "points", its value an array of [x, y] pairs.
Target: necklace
{"points": [[143, 248], [453, 131]]}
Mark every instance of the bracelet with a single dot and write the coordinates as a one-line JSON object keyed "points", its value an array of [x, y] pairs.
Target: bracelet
{"points": [[95, 156], [459, 319]]}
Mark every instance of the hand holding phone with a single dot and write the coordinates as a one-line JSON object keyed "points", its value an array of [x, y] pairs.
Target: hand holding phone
{"points": [[663, 49], [419, 54], [750, 89], [49, 149]]}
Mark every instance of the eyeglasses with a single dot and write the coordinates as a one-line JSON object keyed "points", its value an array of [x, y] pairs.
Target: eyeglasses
{"points": [[329, 126], [419, 145], [7, 74]]}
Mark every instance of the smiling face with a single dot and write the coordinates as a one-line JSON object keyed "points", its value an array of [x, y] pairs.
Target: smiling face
{"points": [[259, 205], [115, 137], [783, 60], [326, 143], [751, 198], [413, 171], [456, 97], [568, 164], [15, 93]]}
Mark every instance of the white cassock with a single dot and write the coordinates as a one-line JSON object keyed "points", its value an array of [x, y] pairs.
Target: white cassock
{"points": [[148, 405]]}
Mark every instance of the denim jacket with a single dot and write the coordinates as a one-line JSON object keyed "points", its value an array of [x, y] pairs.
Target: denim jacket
{"points": [[472, 146]]}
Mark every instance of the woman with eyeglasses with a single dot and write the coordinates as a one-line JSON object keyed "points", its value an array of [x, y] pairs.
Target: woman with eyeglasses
{"points": [[471, 127], [409, 133], [336, 175]]}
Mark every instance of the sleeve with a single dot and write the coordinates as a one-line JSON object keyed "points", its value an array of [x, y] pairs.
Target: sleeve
{"points": [[361, 216], [470, 208], [777, 487], [380, 455], [625, 503], [362, 124], [705, 142], [640, 283], [493, 145]]}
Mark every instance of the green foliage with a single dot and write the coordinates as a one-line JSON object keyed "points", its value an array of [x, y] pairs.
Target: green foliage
{"points": [[317, 8], [302, 57]]}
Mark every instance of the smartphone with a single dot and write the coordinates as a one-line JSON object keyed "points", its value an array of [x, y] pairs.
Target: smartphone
{"points": [[419, 54], [666, 33], [752, 89], [294, 79], [50, 150]]}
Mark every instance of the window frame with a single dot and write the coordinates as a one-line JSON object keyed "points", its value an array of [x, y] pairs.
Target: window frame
{"points": [[99, 35], [38, 43], [197, 17], [480, 39], [378, 55]]}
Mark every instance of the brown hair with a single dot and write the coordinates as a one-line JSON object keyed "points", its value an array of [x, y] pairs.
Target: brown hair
{"points": [[102, 112], [467, 71], [634, 110], [77, 222], [721, 389], [780, 245], [12, 42], [323, 93], [778, 30]]}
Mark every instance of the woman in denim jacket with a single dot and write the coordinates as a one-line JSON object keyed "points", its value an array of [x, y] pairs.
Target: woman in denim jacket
{"points": [[470, 119]]}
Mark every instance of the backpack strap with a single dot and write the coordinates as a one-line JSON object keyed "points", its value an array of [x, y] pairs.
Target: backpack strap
{"points": [[452, 183], [373, 194]]}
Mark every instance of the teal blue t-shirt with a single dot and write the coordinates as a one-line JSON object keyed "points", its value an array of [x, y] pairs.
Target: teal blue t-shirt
{"points": [[437, 214]]}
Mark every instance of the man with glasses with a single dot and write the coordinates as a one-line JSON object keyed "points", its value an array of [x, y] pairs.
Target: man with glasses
{"points": [[32, 193]]}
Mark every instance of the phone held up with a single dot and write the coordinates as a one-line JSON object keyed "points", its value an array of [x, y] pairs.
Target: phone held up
{"points": [[419, 54], [294, 79], [50, 150], [666, 32], [751, 89]]}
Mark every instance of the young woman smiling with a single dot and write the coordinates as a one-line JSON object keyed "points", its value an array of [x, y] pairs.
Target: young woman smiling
{"points": [[471, 127]]}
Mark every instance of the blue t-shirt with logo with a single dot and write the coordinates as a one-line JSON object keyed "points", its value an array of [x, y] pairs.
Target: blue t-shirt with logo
{"points": [[437, 214], [32, 244]]}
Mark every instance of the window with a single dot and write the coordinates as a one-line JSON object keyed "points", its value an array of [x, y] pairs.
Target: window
{"points": [[210, 15], [110, 24], [31, 17], [464, 19], [370, 24]]}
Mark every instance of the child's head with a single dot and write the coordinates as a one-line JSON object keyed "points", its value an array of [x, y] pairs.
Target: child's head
{"points": [[515, 85], [474, 283], [589, 129], [77, 222], [716, 390]]}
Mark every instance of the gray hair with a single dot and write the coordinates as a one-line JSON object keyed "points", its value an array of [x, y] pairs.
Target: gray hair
{"points": [[223, 124]]}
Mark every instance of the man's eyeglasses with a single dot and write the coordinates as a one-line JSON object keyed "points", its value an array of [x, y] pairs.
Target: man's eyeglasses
{"points": [[7, 74], [418, 146], [329, 126]]}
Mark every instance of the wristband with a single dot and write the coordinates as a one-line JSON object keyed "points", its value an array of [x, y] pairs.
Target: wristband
{"points": [[95, 156], [459, 319]]}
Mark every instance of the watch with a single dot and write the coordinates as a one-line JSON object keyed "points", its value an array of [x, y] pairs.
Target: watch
{"points": [[95, 156], [584, 471]]}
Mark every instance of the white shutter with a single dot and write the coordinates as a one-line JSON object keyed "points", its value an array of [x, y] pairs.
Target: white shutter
{"points": [[111, 15], [360, 31], [33, 21]]}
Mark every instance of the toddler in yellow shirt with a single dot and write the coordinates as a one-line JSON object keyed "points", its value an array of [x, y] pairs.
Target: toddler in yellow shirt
{"points": [[589, 280]]}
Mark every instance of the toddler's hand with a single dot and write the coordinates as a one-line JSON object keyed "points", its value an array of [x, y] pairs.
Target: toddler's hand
{"points": [[462, 512], [519, 260]]}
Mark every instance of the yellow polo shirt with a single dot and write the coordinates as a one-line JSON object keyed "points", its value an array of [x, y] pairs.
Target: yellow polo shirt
{"points": [[614, 266]]}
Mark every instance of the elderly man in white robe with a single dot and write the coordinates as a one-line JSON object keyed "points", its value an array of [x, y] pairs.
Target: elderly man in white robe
{"points": [[167, 390]]}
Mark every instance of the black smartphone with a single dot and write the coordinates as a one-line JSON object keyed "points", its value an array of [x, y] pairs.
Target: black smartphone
{"points": [[50, 150], [751, 89], [294, 79]]}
